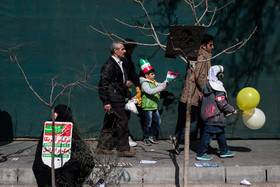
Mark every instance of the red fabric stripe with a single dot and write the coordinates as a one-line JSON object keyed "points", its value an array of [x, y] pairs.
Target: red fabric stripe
{"points": [[147, 69], [220, 98], [173, 73]]}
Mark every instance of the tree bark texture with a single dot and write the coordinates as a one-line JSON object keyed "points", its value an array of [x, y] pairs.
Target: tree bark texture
{"points": [[187, 131]]}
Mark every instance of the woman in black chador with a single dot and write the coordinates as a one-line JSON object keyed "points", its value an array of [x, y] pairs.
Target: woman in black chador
{"points": [[77, 169]]}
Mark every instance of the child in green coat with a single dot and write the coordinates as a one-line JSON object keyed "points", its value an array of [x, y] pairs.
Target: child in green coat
{"points": [[150, 99]]}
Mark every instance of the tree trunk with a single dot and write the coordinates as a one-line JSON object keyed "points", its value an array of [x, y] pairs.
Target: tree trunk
{"points": [[187, 131], [53, 149]]}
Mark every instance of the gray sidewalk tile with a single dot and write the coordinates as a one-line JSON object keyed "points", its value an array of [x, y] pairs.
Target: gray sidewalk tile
{"points": [[255, 160]]}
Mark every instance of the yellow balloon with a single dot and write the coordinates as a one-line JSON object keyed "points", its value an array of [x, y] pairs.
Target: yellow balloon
{"points": [[248, 98], [254, 118]]}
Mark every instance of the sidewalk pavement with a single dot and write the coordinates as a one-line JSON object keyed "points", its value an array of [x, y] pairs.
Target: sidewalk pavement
{"points": [[257, 161]]}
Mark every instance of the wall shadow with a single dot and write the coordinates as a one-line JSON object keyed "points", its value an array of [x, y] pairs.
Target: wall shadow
{"points": [[256, 64], [168, 99], [166, 12], [257, 60], [6, 133]]}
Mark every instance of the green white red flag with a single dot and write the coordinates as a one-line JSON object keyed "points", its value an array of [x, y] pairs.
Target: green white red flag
{"points": [[63, 142], [171, 76]]}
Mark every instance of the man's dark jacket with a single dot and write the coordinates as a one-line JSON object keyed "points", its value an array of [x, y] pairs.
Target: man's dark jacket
{"points": [[111, 88], [130, 70]]}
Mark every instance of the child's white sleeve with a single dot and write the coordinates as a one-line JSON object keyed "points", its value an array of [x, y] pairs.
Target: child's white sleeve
{"points": [[147, 89], [164, 83]]}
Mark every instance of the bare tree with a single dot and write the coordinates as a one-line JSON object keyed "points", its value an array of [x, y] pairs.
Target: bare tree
{"points": [[150, 31], [106, 164], [64, 89]]}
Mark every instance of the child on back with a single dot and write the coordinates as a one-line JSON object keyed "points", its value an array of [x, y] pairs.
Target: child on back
{"points": [[214, 107], [150, 99]]}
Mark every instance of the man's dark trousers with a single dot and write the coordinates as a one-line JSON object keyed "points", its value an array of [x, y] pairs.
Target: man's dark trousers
{"points": [[115, 123]]}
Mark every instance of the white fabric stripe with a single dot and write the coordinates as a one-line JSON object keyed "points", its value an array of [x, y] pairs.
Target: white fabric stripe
{"points": [[171, 76], [145, 65]]}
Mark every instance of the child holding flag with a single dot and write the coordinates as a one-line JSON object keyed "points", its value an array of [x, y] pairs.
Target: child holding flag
{"points": [[150, 99]]}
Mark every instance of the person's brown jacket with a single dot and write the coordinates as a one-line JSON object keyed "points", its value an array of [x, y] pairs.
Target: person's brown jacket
{"points": [[201, 72]]}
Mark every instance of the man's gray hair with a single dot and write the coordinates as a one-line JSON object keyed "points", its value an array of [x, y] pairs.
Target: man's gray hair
{"points": [[114, 45]]}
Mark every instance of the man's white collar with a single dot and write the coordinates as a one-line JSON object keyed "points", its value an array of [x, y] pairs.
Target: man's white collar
{"points": [[116, 59]]}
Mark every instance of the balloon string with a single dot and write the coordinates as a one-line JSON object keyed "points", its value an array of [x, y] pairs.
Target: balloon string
{"points": [[238, 112]]}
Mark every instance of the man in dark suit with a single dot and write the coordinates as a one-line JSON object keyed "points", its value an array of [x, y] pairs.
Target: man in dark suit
{"points": [[112, 91]]}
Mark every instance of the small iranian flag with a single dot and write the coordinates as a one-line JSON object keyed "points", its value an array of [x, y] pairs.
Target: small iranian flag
{"points": [[171, 76]]}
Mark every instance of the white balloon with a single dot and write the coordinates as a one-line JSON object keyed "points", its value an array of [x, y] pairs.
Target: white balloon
{"points": [[254, 118]]}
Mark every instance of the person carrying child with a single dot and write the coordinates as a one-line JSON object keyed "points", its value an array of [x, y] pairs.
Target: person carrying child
{"points": [[214, 107], [150, 99]]}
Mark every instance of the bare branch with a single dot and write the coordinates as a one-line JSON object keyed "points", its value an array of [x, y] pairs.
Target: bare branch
{"points": [[236, 46], [151, 24], [122, 39], [222, 7], [184, 59], [193, 8], [54, 84], [20, 45], [2, 50], [188, 2], [183, 56], [65, 88], [204, 13], [143, 33], [211, 21], [139, 27], [240, 44], [133, 26], [14, 59], [199, 4], [191, 4], [52, 89], [142, 30], [97, 30], [110, 35]]}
